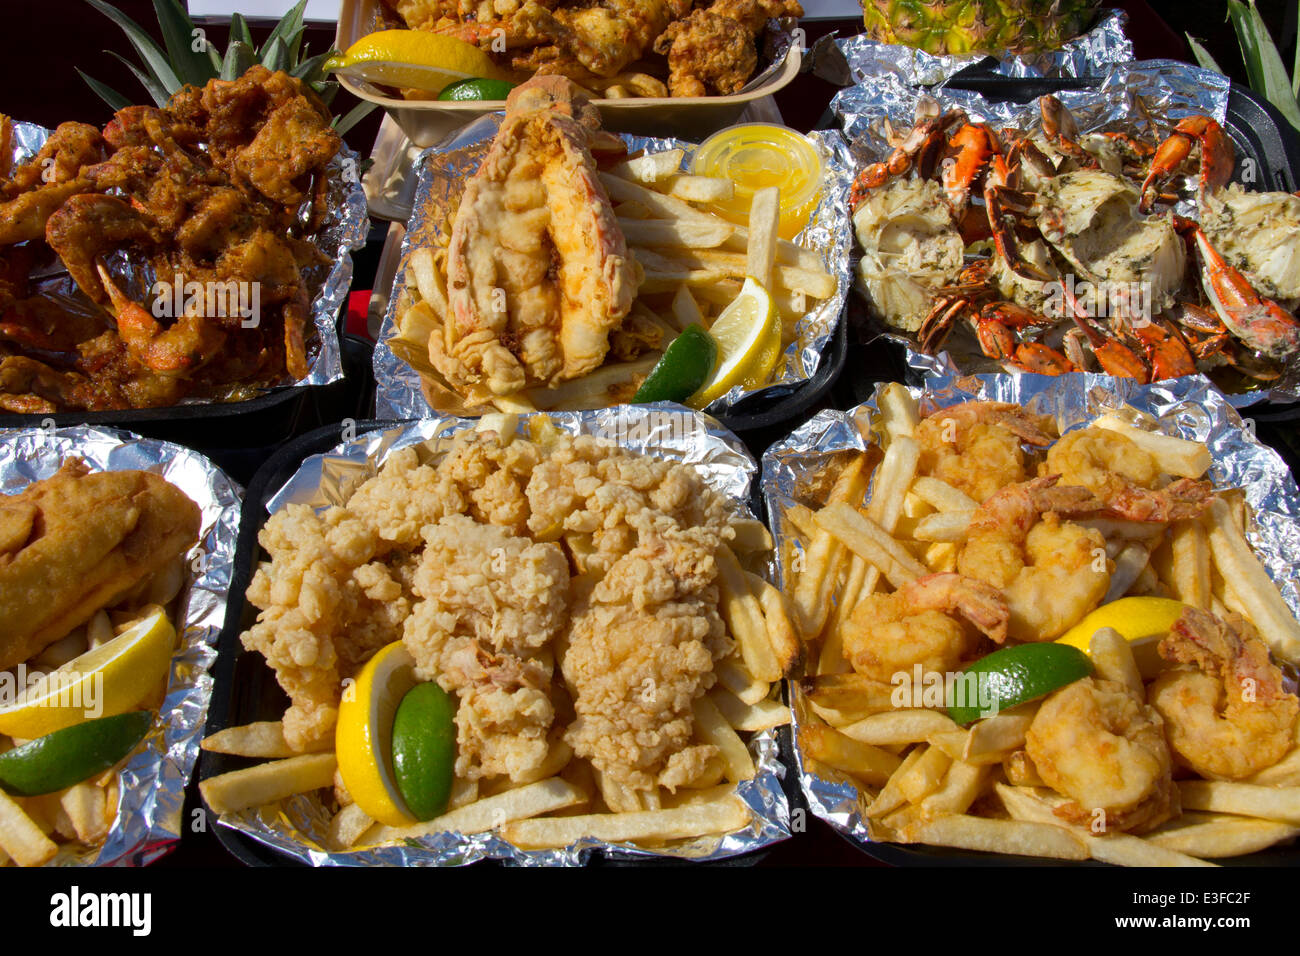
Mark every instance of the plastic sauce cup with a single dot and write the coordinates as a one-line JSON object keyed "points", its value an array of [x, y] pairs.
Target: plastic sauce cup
{"points": [[758, 155]]}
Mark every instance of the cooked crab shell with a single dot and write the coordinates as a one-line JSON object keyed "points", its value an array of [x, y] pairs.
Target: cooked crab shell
{"points": [[1092, 219], [1259, 235], [910, 248]]}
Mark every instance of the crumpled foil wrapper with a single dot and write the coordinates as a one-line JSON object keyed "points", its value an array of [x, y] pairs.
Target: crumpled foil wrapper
{"points": [[1187, 407], [664, 431], [441, 172], [1170, 90], [860, 59], [152, 784], [344, 230]]}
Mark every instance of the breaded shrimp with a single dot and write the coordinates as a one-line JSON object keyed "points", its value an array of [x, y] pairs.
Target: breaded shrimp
{"points": [[888, 634], [1226, 714], [1051, 572], [1095, 742], [1125, 477], [976, 446]]}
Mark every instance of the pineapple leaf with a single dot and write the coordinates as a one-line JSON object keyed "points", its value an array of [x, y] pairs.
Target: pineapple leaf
{"points": [[239, 57], [275, 55], [1202, 55], [239, 30], [161, 74], [214, 57], [157, 93], [1264, 67], [290, 24], [115, 100], [178, 31], [353, 116], [325, 89], [309, 70], [1295, 69]]}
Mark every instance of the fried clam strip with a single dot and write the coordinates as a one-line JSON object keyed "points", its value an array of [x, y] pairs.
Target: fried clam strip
{"points": [[605, 645]]}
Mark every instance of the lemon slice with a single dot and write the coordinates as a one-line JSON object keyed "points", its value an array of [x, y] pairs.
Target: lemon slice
{"points": [[413, 59], [110, 679], [1142, 621], [363, 739], [748, 335]]}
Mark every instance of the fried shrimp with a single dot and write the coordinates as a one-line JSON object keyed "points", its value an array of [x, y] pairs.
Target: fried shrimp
{"points": [[1125, 477], [918, 624], [1226, 712], [1095, 742], [976, 446], [1051, 572]]}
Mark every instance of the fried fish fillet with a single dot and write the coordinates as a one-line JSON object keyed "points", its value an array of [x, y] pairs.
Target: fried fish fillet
{"points": [[77, 542]]}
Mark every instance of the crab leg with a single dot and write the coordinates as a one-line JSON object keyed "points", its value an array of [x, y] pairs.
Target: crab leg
{"points": [[1217, 157]]}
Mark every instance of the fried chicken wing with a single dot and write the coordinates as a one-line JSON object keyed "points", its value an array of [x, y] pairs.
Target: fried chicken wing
{"points": [[712, 50]]}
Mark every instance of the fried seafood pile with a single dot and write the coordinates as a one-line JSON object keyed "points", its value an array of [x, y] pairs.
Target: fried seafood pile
{"points": [[1078, 263], [604, 46], [998, 539], [184, 233], [564, 591]]}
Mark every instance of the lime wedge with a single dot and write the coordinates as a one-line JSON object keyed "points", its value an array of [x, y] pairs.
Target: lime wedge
{"points": [[364, 735], [1015, 675], [476, 89], [58, 760], [424, 749], [683, 368]]}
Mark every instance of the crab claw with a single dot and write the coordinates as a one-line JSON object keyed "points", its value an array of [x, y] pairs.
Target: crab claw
{"points": [[1260, 323]]}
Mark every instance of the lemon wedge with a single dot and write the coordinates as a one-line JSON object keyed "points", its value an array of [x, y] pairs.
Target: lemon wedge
{"points": [[1142, 621], [413, 59], [110, 679], [748, 336], [363, 739]]}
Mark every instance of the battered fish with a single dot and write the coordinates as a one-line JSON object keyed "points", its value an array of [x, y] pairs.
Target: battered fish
{"points": [[77, 542]]}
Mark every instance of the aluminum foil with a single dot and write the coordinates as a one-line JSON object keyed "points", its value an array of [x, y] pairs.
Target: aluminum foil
{"points": [[663, 431], [1188, 407], [859, 59], [152, 784], [441, 172], [1170, 90], [345, 229]]}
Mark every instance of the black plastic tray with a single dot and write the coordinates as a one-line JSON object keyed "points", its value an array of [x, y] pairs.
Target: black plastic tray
{"points": [[244, 688], [762, 418]]}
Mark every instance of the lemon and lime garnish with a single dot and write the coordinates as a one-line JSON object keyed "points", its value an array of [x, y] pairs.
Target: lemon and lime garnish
{"points": [[1026, 672], [396, 741], [415, 59], [82, 718], [741, 348]]}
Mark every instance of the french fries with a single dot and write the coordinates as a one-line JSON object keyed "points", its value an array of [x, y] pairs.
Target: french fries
{"points": [[955, 786]]}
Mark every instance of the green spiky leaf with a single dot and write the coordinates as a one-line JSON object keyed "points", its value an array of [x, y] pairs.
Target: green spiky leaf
{"points": [[309, 70], [1203, 57], [156, 92], [1264, 68], [178, 31], [239, 30], [275, 55], [239, 57], [288, 31], [155, 60], [115, 100], [353, 116]]}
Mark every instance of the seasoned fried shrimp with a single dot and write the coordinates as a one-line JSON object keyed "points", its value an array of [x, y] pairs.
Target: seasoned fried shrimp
{"points": [[1052, 572], [1095, 742], [1226, 712], [1125, 477], [918, 624], [976, 446]]}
